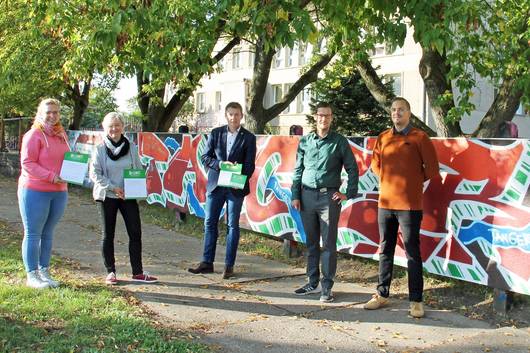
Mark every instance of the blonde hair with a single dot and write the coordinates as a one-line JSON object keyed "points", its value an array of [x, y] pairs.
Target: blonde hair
{"points": [[112, 116], [41, 115]]}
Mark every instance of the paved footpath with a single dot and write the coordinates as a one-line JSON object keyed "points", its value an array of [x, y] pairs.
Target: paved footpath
{"points": [[257, 312]]}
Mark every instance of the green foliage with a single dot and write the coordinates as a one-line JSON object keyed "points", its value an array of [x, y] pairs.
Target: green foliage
{"points": [[30, 62], [78, 316], [355, 111], [101, 102], [477, 38]]}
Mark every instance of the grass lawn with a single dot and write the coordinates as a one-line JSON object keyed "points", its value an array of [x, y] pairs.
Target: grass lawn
{"points": [[79, 316]]}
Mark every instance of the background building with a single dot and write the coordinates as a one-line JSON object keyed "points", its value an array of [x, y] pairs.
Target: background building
{"points": [[232, 83]]}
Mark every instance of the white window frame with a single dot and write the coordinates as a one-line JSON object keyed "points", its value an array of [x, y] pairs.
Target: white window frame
{"points": [[201, 102]]}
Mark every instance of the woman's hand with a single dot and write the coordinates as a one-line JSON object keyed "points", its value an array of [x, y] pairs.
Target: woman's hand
{"points": [[58, 180], [119, 192]]}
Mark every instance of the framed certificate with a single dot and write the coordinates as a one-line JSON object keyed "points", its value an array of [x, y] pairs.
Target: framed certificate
{"points": [[230, 176], [134, 184], [75, 167]]}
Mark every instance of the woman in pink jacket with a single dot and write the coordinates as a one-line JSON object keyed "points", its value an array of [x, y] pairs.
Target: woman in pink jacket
{"points": [[42, 194]]}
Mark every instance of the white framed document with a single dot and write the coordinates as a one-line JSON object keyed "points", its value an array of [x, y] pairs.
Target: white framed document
{"points": [[230, 176], [135, 184], [75, 167]]}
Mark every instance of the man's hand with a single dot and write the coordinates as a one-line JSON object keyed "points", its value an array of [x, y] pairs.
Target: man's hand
{"points": [[226, 163], [337, 196], [296, 204]]}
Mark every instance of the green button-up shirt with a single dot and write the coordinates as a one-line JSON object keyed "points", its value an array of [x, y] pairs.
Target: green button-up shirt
{"points": [[319, 163]]}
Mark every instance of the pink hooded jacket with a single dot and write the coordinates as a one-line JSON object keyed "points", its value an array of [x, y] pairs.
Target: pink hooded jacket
{"points": [[41, 158]]}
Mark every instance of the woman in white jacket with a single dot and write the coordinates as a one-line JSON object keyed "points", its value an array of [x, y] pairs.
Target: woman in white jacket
{"points": [[114, 155]]}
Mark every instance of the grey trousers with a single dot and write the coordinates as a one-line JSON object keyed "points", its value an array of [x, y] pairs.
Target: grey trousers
{"points": [[320, 216]]}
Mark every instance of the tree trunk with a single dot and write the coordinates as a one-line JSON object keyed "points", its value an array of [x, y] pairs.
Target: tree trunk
{"points": [[382, 95], [80, 97], [434, 70], [256, 120], [2, 134], [155, 112], [502, 109], [158, 117]]}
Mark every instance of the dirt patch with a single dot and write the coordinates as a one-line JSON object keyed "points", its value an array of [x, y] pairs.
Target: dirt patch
{"points": [[472, 300]]}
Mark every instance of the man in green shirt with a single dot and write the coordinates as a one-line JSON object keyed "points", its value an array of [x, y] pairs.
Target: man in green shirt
{"points": [[315, 193]]}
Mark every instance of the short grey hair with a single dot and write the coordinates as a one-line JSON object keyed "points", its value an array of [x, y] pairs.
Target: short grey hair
{"points": [[112, 116]]}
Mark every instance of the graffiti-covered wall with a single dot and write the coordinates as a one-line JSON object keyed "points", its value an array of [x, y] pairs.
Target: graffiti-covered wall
{"points": [[476, 224]]}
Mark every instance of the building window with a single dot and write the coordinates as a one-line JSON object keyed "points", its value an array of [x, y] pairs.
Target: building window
{"points": [[236, 55], [201, 103], [383, 49], [303, 53], [303, 100], [278, 59], [396, 83], [276, 93], [218, 103], [251, 57], [289, 57]]}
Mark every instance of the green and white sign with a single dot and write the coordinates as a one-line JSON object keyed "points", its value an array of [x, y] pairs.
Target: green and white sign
{"points": [[230, 176], [75, 167], [135, 183]]}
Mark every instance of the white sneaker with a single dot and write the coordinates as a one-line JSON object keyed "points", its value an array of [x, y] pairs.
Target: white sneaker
{"points": [[44, 274], [34, 281]]}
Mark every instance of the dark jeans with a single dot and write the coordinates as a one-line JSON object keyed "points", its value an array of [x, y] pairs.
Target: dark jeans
{"points": [[410, 223], [320, 216], [108, 211], [215, 202]]}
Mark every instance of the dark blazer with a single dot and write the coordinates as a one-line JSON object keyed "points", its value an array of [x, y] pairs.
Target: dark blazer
{"points": [[243, 152]]}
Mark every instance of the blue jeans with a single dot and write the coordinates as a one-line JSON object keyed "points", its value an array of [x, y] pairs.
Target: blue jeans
{"points": [[40, 212], [215, 202]]}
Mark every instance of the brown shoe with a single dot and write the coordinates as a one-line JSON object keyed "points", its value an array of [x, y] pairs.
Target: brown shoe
{"points": [[202, 268], [228, 272], [376, 302], [416, 309]]}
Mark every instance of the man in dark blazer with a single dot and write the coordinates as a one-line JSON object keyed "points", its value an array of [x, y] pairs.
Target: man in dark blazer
{"points": [[229, 144]]}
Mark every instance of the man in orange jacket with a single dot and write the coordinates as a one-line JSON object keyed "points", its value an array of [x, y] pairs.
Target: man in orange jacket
{"points": [[403, 158]]}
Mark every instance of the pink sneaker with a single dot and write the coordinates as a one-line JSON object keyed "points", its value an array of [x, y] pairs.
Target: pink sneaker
{"points": [[144, 277], [111, 279]]}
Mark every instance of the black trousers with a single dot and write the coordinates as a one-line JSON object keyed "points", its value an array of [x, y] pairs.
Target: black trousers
{"points": [[108, 211], [410, 223]]}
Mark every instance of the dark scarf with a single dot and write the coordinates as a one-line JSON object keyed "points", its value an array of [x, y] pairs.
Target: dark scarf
{"points": [[114, 147]]}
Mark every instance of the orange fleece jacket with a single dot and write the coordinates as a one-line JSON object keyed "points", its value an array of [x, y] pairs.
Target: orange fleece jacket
{"points": [[403, 163]]}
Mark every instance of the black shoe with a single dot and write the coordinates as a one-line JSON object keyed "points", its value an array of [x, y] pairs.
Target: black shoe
{"points": [[307, 289], [228, 272], [326, 296], [202, 268]]}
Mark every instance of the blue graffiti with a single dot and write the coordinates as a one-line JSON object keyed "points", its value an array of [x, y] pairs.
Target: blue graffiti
{"points": [[502, 237], [193, 202], [172, 144], [284, 195], [195, 206]]}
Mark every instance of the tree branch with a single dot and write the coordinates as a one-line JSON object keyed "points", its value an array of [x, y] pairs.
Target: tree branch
{"points": [[382, 95], [308, 77], [502, 109]]}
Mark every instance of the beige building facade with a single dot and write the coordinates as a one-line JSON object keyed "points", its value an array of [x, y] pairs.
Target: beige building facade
{"points": [[232, 83]]}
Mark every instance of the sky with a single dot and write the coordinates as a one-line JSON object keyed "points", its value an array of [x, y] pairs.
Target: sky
{"points": [[125, 91]]}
